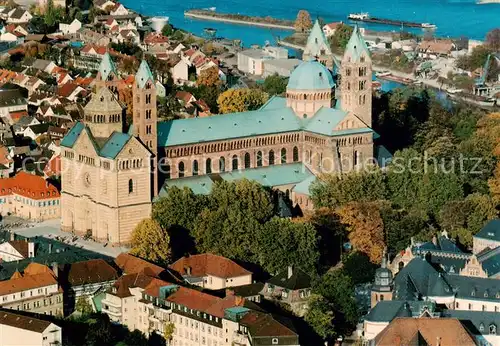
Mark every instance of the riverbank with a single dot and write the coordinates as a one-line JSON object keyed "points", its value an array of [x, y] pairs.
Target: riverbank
{"points": [[266, 22]]}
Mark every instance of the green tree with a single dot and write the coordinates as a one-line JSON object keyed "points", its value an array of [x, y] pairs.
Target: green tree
{"points": [[338, 290], [151, 242], [320, 316], [275, 85], [83, 305], [400, 226], [167, 30], [340, 38], [241, 100], [233, 218], [358, 267], [53, 15], [136, 338], [281, 242], [177, 212], [333, 190]]}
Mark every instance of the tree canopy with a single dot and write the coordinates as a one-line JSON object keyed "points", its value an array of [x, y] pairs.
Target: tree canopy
{"points": [[303, 22], [241, 100], [151, 242]]}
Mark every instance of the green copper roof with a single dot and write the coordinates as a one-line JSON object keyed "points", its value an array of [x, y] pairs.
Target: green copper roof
{"points": [[72, 135], [143, 75], [356, 46], [490, 231], [275, 175], [111, 148], [107, 66], [114, 145], [303, 186], [270, 119], [227, 126], [490, 260], [310, 75], [317, 43]]}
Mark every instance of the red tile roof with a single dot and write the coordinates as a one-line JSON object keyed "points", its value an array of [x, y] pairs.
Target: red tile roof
{"points": [[27, 281], [66, 89], [184, 96], [333, 25], [435, 331], [18, 115], [193, 299], [53, 167], [209, 264], [131, 265], [28, 185], [155, 38], [264, 325], [91, 271]]}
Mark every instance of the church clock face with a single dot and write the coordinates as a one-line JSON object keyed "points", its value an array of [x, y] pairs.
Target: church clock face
{"points": [[86, 179]]}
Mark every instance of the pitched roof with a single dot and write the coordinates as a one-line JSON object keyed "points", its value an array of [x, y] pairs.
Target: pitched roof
{"points": [[21, 246], [124, 283], [184, 96], [114, 144], [356, 46], [274, 175], [435, 331], [18, 13], [436, 46], [144, 75], [269, 119], [298, 280], [130, 265], [193, 299], [27, 282], [107, 67], [317, 41], [91, 271], [23, 322], [490, 231], [104, 101], [28, 185], [209, 264], [265, 325]]}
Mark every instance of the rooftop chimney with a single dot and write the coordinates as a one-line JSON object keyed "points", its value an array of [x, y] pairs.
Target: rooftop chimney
{"points": [[12, 236], [290, 272], [31, 249], [434, 240], [188, 270], [50, 247], [438, 341]]}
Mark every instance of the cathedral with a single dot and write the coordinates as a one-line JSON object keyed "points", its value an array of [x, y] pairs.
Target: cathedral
{"points": [[111, 173]]}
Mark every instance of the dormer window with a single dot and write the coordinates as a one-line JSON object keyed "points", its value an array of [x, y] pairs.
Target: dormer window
{"points": [[493, 329], [481, 327], [473, 293]]}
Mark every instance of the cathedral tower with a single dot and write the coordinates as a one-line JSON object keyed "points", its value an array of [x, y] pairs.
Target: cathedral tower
{"points": [[107, 76], [382, 287], [317, 47], [356, 79], [145, 115], [104, 114]]}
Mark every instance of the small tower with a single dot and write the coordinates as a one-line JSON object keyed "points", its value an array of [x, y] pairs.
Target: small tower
{"points": [[309, 88], [145, 115], [317, 47], [107, 76], [104, 114], [356, 79], [382, 287]]}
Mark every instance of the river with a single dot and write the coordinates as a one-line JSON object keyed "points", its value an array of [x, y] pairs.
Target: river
{"points": [[453, 18]]}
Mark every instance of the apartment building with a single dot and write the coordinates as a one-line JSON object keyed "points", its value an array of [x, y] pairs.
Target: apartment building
{"points": [[212, 271], [35, 289]]}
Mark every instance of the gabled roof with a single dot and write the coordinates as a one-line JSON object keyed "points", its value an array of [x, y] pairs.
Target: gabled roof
{"points": [[209, 264], [91, 271], [130, 265], [107, 67], [72, 135], [435, 331], [23, 322], [144, 75], [298, 280], [356, 46], [21, 246], [317, 41], [103, 102], [266, 325], [28, 185], [114, 144]]}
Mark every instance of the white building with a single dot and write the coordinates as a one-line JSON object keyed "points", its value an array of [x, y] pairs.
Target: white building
{"points": [[20, 330], [71, 28]]}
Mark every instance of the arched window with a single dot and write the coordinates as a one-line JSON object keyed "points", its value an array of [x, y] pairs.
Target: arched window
{"points": [[259, 159], [295, 154], [493, 329], [235, 163], [181, 169], [283, 155], [130, 186], [222, 164], [247, 160], [208, 166], [195, 167], [271, 157]]}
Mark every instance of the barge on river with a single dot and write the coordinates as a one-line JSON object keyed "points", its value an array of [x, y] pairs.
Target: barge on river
{"points": [[365, 17]]}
